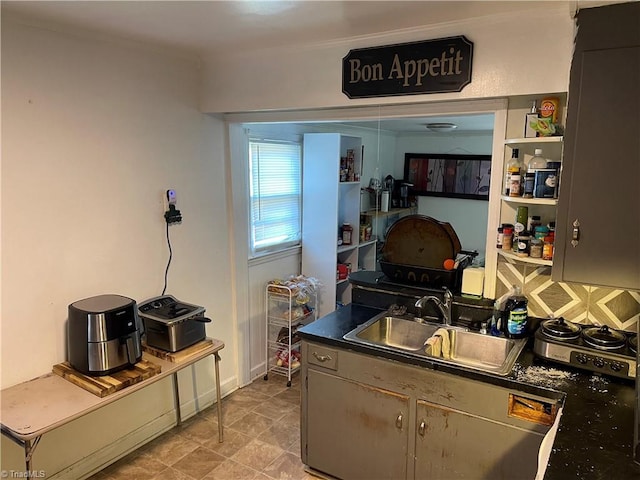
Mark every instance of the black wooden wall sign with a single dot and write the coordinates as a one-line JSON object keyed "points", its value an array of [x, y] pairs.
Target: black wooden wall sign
{"points": [[430, 66]]}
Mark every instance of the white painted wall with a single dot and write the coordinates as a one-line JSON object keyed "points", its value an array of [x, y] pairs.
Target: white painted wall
{"points": [[93, 133], [514, 54], [468, 218], [83, 119], [254, 274]]}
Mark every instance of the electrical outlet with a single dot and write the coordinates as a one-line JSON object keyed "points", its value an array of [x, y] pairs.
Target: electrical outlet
{"points": [[172, 215]]}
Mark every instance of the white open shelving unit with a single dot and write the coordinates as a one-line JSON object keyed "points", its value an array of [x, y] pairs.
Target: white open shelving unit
{"points": [[545, 207], [327, 204]]}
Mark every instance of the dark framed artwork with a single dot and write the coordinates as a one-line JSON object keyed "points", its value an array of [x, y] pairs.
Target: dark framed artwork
{"points": [[448, 175]]}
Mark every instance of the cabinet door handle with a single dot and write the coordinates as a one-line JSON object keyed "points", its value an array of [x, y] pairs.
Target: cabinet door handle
{"points": [[422, 428], [321, 358], [399, 421], [575, 233]]}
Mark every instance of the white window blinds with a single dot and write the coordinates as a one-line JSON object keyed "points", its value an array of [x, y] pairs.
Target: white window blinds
{"points": [[275, 194]]}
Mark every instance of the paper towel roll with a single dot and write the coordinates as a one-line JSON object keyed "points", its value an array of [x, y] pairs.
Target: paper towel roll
{"points": [[384, 201]]}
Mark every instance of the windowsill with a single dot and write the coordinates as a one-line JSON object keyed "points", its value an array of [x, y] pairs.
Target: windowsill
{"points": [[272, 256]]}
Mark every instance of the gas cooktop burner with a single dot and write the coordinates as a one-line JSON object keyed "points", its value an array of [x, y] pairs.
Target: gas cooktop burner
{"points": [[597, 349]]}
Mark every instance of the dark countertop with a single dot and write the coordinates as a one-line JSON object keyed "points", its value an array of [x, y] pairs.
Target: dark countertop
{"points": [[595, 436]]}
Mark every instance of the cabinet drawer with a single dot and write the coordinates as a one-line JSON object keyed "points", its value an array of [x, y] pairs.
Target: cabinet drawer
{"points": [[322, 356]]}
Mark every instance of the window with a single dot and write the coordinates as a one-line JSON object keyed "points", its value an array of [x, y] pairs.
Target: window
{"points": [[275, 193]]}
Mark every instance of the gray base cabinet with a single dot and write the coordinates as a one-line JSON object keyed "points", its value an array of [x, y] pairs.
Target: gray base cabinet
{"points": [[459, 442], [366, 426], [366, 417]]}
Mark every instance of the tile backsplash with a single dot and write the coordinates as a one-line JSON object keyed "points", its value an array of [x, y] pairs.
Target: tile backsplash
{"points": [[577, 303]]}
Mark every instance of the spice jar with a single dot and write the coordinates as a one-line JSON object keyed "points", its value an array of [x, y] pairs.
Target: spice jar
{"points": [[535, 248], [533, 221], [507, 238], [547, 248], [523, 244], [347, 234], [541, 231], [500, 238]]}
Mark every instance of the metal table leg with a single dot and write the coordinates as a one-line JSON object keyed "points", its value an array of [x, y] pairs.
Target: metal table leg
{"points": [[176, 397], [28, 445], [218, 397], [29, 448]]}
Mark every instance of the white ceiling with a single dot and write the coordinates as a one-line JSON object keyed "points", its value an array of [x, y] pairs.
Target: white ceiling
{"points": [[478, 123], [201, 28], [209, 27]]}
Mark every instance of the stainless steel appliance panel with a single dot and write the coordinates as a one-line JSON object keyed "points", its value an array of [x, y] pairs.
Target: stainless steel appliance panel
{"points": [[114, 354]]}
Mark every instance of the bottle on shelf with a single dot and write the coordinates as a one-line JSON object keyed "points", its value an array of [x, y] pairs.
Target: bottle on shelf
{"points": [[519, 227], [347, 234], [531, 118], [515, 167], [547, 247], [533, 221], [536, 162], [522, 219], [529, 180], [524, 244]]}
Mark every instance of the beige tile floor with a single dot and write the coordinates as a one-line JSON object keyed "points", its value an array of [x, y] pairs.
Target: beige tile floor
{"points": [[261, 441]]}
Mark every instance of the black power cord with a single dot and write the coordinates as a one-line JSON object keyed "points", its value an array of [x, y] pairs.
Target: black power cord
{"points": [[166, 272], [171, 216]]}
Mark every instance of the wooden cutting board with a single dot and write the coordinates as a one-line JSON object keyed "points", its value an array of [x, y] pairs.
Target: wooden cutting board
{"points": [[107, 384], [420, 241], [177, 357]]}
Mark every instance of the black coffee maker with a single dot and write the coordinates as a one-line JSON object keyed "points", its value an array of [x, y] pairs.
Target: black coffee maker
{"points": [[399, 191]]}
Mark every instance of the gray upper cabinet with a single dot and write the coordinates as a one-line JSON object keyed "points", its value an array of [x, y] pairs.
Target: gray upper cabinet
{"points": [[598, 223]]}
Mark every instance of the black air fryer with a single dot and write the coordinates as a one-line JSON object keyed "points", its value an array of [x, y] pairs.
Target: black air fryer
{"points": [[104, 334]]}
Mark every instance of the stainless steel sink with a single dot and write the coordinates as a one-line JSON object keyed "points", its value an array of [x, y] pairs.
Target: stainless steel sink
{"points": [[485, 352], [394, 333], [469, 349]]}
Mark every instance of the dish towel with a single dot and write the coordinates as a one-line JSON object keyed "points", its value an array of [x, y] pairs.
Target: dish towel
{"points": [[439, 345], [433, 346]]}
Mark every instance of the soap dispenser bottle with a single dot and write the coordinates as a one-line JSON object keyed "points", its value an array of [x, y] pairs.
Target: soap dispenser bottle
{"points": [[515, 320]]}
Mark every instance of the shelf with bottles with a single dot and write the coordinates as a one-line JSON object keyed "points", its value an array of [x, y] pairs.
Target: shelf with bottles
{"points": [[392, 211], [533, 141], [347, 261], [351, 152], [347, 248], [531, 201], [514, 256], [534, 177]]}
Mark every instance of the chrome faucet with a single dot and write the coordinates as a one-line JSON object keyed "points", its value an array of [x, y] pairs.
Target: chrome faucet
{"points": [[443, 306]]}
